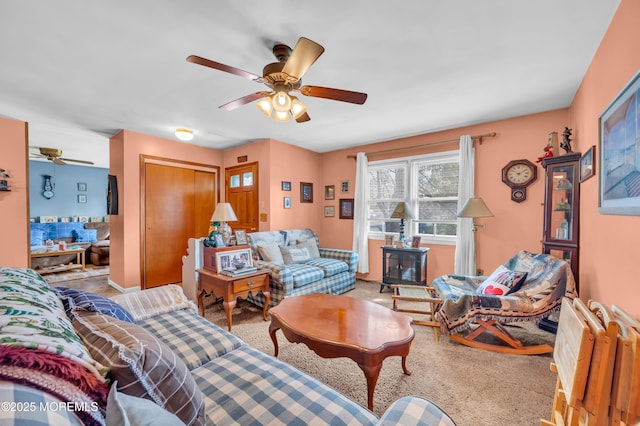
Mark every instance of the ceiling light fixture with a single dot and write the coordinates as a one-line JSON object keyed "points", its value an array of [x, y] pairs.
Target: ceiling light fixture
{"points": [[281, 106], [184, 134]]}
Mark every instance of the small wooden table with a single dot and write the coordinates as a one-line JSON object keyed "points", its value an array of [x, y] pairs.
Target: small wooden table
{"points": [[230, 288], [414, 293], [342, 326], [80, 261]]}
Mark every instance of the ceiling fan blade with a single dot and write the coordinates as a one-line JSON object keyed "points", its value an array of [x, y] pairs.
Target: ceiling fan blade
{"points": [[243, 100], [222, 67], [304, 54], [304, 117], [334, 94], [77, 161], [58, 161]]}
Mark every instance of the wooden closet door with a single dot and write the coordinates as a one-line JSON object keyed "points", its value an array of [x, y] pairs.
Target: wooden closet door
{"points": [[169, 222], [205, 202]]}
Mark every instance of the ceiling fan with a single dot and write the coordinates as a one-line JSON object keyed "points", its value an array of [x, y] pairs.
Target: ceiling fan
{"points": [[281, 78], [55, 155]]}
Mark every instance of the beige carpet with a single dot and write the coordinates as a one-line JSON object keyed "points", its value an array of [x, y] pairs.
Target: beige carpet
{"points": [[473, 386]]}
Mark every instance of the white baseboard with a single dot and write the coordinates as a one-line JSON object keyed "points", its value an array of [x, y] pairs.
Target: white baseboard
{"points": [[122, 289]]}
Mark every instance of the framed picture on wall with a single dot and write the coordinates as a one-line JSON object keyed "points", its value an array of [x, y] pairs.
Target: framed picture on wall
{"points": [[329, 192], [618, 163], [82, 198], [587, 168], [346, 208], [306, 192], [82, 186], [286, 185], [344, 187], [287, 202], [329, 211]]}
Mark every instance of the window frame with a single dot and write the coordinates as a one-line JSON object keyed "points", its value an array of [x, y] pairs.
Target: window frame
{"points": [[411, 165]]}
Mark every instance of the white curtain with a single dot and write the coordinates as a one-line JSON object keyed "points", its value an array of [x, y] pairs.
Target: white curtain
{"points": [[465, 257], [360, 231]]}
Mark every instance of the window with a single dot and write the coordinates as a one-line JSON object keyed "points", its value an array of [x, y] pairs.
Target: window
{"points": [[428, 183]]}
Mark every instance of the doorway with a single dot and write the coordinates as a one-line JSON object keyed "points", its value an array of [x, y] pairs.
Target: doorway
{"points": [[179, 200], [241, 191]]}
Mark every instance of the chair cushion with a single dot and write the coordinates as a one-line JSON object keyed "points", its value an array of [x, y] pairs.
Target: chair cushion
{"points": [[304, 274], [502, 281], [293, 254], [142, 365], [74, 298], [270, 252], [330, 267]]}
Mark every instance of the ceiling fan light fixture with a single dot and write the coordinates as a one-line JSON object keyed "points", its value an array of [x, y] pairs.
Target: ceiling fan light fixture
{"points": [[297, 107], [281, 100], [265, 106], [281, 116], [184, 134]]}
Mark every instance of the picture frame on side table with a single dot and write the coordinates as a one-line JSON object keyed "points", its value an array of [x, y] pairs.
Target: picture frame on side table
{"points": [[415, 241], [226, 259], [617, 162], [241, 236], [388, 240], [329, 211], [587, 167], [346, 208], [306, 192], [219, 239], [329, 192]]}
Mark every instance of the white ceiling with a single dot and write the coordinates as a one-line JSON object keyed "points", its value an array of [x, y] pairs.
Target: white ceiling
{"points": [[79, 71]]}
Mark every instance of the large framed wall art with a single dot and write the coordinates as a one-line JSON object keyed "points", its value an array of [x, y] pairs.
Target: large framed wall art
{"points": [[619, 181]]}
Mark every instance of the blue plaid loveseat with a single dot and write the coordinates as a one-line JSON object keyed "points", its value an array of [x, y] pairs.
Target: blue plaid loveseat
{"points": [[334, 272], [227, 382]]}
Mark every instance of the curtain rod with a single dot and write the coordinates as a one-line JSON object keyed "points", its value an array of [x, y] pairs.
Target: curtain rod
{"points": [[477, 137]]}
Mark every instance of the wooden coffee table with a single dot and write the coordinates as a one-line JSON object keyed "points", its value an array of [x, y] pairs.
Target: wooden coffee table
{"points": [[342, 326]]}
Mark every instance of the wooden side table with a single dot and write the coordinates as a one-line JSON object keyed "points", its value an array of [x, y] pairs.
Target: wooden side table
{"points": [[414, 293], [230, 288]]}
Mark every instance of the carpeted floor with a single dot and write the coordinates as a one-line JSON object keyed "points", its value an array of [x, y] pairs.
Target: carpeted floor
{"points": [[473, 386]]}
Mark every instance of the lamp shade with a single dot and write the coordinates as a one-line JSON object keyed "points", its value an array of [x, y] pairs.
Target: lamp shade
{"points": [[223, 213], [403, 211], [475, 207]]}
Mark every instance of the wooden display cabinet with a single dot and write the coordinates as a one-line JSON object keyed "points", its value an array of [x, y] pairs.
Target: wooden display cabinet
{"points": [[404, 266]]}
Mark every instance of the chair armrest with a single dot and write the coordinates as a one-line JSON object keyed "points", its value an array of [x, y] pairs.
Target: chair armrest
{"points": [[280, 276], [348, 256], [413, 410]]}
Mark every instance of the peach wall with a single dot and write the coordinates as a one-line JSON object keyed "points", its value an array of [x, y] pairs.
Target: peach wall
{"points": [[14, 204], [515, 226], [609, 243], [279, 161], [127, 148]]}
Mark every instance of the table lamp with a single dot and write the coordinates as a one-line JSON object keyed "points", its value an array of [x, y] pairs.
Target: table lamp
{"points": [[223, 214], [402, 211]]}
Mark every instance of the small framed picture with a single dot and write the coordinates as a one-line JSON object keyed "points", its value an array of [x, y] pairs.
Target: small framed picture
{"points": [[344, 187], [82, 198], [388, 240], [329, 211], [415, 242], [286, 186], [229, 259], [287, 202], [82, 186], [219, 239], [241, 237], [587, 165], [306, 192], [346, 208], [329, 192]]}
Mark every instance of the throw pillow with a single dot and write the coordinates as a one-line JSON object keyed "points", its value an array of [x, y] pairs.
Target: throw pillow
{"points": [[270, 252], [123, 409], [293, 254], [36, 237], [85, 235], [73, 298], [502, 281], [311, 245], [143, 365]]}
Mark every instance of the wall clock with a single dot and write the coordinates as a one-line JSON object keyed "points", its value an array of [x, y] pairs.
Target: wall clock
{"points": [[48, 187], [518, 175]]}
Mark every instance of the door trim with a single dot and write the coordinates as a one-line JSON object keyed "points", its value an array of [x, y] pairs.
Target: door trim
{"points": [[150, 159]]}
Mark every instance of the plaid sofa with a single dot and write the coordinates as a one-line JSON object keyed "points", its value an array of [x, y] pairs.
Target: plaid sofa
{"points": [[236, 383], [334, 272]]}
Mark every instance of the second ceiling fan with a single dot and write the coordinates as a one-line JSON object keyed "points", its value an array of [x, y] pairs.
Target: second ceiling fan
{"points": [[283, 77]]}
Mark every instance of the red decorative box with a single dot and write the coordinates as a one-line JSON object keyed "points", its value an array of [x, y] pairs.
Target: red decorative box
{"points": [[209, 255]]}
